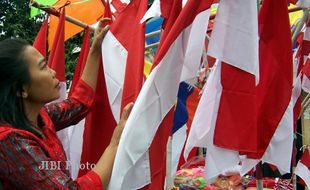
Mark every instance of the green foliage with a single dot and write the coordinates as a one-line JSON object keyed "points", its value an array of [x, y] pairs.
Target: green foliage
{"points": [[72, 57], [15, 21]]}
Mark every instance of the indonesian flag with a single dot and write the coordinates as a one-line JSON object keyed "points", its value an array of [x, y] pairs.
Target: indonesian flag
{"points": [[303, 167], [156, 98], [56, 61], [76, 139], [159, 150], [94, 131], [275, 113], [225, 119], [124, 44]]}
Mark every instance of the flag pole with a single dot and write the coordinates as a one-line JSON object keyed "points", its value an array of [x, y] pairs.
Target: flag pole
{"points": [[54, 12], [259, 167], [259, 176]]}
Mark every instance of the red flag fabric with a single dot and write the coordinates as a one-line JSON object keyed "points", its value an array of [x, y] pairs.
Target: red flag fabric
{"points": [[99, 125], [119, 6], [56, 61], [239, 125], [173, 9], [101, 113], [82, 59], [56, 58], [229, 92], [135, 46], [159, 143], [76, 140], [124, 44], [275, 55], [41, 38], [107, 13]]}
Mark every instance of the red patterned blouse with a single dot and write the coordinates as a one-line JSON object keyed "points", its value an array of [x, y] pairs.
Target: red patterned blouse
{"points": [[25, 158]]}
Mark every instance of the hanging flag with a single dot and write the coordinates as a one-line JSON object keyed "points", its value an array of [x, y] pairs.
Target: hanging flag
{"points": [[124, 44], [156, 98], [87, 12], [41, 38], [94, 131], [160, 176], [56, 61], [101, 113], [133, 79], [303, 167], [76, 139], [56, 58], [226, 114], [275, 113]]}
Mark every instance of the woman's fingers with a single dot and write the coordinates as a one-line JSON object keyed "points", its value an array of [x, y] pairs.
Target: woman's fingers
{"points": [[103, 20], [126, 112]]}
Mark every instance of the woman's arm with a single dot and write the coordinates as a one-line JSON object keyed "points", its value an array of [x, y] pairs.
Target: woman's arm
{"points": [[105, 164], [75, 108], [90, 72]]}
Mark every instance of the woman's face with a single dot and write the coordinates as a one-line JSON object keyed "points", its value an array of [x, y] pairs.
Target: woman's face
{"points": [[44, 86]]}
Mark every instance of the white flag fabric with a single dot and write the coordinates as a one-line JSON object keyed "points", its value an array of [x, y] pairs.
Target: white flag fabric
{"points": [[114, 63]]}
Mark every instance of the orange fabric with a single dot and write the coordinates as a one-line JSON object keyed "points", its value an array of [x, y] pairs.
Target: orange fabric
{"points": [[88, 12]]}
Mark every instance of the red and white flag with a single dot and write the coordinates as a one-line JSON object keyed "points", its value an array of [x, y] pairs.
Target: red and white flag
{"points": [[303, 167], [225, 118], [76, 139], [275, 113], [56, 61], [156, 98], [159, 158], [124, 44]]}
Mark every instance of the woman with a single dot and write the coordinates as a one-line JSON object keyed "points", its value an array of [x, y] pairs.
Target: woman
{"points": [[28, 139]]}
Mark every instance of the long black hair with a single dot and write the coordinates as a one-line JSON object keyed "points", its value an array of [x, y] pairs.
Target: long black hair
{"points": [[14, 74]]}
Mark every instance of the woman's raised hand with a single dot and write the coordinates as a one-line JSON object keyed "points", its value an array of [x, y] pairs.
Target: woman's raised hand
{"points": [[100, 33]]}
